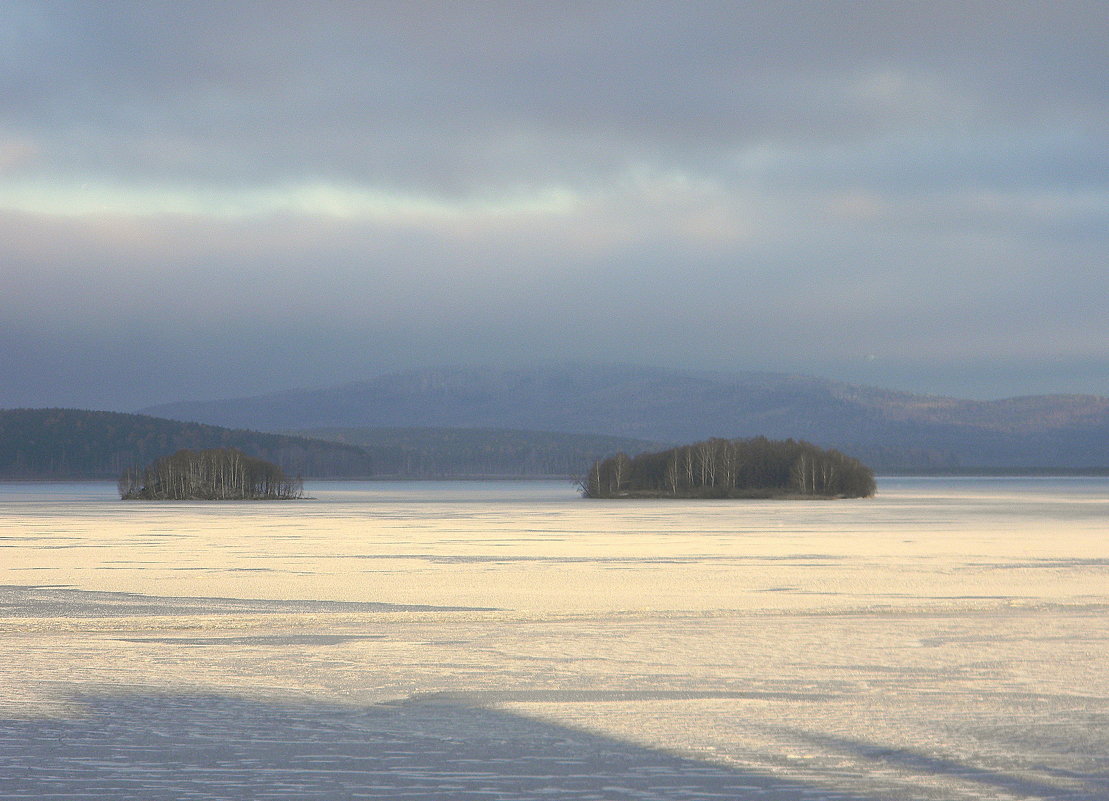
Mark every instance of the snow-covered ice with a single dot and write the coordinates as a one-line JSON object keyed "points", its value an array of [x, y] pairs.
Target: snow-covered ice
{"points": [[945, 640]]}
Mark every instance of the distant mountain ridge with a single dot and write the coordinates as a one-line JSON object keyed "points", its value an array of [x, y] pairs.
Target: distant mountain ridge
{"points": [[887, 429]]}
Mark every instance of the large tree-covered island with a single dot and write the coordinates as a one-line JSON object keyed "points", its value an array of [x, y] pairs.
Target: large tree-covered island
{"points": [[217, 474], [731, 468]]}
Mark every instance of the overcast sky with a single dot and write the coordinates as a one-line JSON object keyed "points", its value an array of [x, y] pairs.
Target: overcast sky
{"points": [[203, 200]]}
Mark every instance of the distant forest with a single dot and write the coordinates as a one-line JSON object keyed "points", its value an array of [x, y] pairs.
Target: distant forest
{"points": [[72, 443], [216, 474], [891, 431], [731, 468], [485, 452]]}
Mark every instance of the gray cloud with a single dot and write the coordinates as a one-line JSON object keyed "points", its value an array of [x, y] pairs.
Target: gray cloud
{"points": [[914, 194]]}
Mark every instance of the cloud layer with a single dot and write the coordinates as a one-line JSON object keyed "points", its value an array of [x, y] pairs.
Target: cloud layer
{"points": [[214, 199]]}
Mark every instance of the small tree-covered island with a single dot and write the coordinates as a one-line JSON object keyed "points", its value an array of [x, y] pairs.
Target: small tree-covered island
{"points": [[218, 474], [731, 468]]}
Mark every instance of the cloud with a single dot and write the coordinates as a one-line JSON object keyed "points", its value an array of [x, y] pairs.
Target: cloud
{"points": [[311, 200], [372, 185]]}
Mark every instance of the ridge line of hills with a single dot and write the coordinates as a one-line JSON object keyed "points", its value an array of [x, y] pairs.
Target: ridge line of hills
{"points": [[76, 443], [888, 430], [556, 421]]}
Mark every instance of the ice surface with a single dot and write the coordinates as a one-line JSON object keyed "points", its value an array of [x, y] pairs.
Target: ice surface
{"points": [[945, 640]]}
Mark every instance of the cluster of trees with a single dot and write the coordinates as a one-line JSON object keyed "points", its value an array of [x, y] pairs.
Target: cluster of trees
{"points": [[730, 468], [214, 474]]}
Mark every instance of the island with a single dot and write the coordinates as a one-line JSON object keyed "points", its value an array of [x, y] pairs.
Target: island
{"points": [[731, 468], [216, 474]]}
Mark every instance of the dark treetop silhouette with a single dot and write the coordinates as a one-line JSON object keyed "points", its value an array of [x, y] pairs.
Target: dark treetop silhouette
{"points": [[215, 474], [731, 468]]}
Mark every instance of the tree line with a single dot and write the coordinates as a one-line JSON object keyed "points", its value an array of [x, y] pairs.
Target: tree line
{"points": [[729, 468], [214, 474], [75, 443], [479, 452]]}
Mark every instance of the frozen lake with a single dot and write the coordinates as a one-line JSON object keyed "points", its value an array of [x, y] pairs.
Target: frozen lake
{"points": [[948, 639]]}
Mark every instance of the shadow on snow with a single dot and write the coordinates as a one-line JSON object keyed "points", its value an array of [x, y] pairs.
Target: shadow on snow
{"points": [[154, 747]]}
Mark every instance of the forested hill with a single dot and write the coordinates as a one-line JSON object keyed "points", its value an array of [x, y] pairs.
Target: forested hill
{"points": [[454, 452], [887, 430], [68, 443], [72, 443]]}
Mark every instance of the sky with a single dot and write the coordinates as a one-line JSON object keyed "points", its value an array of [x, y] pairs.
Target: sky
{"points": [[218, 199]]}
